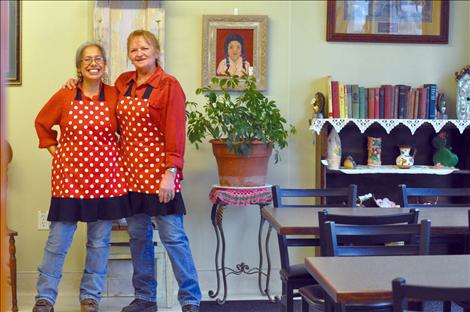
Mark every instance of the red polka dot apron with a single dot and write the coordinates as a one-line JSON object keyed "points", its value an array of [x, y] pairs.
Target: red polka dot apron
{"points": [[88, 180], [142, 144], [87, 163]]}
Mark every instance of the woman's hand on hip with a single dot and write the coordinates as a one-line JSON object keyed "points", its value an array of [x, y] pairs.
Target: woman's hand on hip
{"points": [[167, 187], [52, 149]]}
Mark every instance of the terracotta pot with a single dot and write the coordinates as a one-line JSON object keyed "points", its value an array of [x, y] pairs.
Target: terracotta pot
{"points": [[239, 170]]}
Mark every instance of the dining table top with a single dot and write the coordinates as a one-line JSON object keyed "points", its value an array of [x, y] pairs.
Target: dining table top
{"points": [[369, 279], [304, 221]]}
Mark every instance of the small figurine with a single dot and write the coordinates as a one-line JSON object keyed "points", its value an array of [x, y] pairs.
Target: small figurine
{"points": [[318, 103], [334, 150], [349, 163], [443, 154], [441, 108]]}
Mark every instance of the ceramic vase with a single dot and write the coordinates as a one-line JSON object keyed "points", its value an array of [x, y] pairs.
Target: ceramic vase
{"points": [[406, 159], [374, 151], [334, 150]]}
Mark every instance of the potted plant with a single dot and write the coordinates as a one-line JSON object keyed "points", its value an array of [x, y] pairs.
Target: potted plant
{"points": [[243, 129]]}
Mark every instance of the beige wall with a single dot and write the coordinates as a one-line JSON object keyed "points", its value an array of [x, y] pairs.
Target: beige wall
{"points": [[298, 57]]}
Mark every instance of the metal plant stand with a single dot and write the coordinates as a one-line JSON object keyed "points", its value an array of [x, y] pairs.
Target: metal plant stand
{"points": [[226, 196]]}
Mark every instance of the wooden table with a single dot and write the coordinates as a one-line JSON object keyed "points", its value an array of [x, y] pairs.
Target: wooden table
{"points": [[343, 277], [304, 221], [449, 226]]}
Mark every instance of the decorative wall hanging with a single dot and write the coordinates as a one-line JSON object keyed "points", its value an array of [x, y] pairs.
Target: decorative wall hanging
{"points": [[405, 21], [235, 44], [114, 20], [14, 43]]}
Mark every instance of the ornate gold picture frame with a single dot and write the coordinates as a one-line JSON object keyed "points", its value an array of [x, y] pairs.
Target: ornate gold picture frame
{"points": [[235, 44]]}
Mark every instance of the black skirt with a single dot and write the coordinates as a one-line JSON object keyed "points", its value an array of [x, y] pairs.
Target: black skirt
{"points": [[89, 210], [150, 205]]}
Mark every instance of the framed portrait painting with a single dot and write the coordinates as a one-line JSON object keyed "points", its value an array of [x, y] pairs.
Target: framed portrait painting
{"points": [[14, 43], [399, 21], [235, 45]]}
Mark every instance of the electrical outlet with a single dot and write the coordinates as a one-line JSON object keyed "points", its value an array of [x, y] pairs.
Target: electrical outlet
{"points": [[43, 224]]}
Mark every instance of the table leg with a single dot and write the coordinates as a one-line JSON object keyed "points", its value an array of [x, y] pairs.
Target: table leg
{"points": [[215, 293], [12, 251], [264, 292], [217, 216]]}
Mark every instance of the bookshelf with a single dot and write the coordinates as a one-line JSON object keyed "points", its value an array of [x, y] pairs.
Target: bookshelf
{"points": [[383, 182]]}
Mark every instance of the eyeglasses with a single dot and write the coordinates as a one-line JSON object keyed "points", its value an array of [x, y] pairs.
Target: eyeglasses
{"points": [[89, 60]]}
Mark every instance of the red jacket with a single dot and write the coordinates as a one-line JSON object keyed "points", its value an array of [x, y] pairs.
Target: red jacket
{"points": [[167, 104]]}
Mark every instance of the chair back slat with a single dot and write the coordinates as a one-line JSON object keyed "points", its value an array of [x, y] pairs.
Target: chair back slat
{"points": [[402, 292], [452, 193], [356, 251], [347, 194], [396, 234]]}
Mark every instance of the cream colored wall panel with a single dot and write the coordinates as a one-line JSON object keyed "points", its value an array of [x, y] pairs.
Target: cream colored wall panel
{"points": [[52, 30]]}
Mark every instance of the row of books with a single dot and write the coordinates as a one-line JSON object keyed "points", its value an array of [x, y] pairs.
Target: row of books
{"points": [[384, 102]]}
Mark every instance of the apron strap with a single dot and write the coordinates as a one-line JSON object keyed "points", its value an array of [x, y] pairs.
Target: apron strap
{"points": [[78, 96], [147, 92], [101, 98], [129, 89]]}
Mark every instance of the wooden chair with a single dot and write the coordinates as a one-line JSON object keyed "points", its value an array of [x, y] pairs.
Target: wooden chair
{"points": [[366, 236], [402, 292], [295, 276], [446, 197], [462, 194]]}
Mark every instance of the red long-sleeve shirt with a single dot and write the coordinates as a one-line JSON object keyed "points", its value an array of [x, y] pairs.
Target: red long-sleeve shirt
{"points": [[53, 113], [167, 110]]}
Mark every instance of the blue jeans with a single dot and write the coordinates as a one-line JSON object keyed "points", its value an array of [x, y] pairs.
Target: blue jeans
{"points": [[96, 265], [176, 243]]}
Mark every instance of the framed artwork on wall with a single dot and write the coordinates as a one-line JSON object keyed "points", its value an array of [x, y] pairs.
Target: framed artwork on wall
{"points": [[235, 45], [398, 21], [14, 43]]}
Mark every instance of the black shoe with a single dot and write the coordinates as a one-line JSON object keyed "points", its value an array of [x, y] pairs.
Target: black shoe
{"points": [[43, 305], [190, 308], [139, 305]]}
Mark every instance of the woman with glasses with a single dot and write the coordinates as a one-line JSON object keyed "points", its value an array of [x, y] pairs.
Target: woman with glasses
{"points": [[88, 179], [151, 117]]}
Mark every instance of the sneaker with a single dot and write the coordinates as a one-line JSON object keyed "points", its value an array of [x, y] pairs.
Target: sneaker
{"points": [[88, 305], [43, 305], [139, 305], [190, 308]]}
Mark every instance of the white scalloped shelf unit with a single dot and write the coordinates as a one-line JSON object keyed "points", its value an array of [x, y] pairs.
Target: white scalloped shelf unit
{"points": [[388, 124]]}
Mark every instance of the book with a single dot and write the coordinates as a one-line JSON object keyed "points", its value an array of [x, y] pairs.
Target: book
{"points": [[329, 108], [341, 100], [370, 103], [422, 103], [382, 102], [349, 97], [388, 101], [376, 103], [355, 101], [335, 98], [402, 99], [362, 102], [432, 100]]}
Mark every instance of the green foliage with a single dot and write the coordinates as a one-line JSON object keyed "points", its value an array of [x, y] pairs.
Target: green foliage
{"points": [[239, 120]]}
